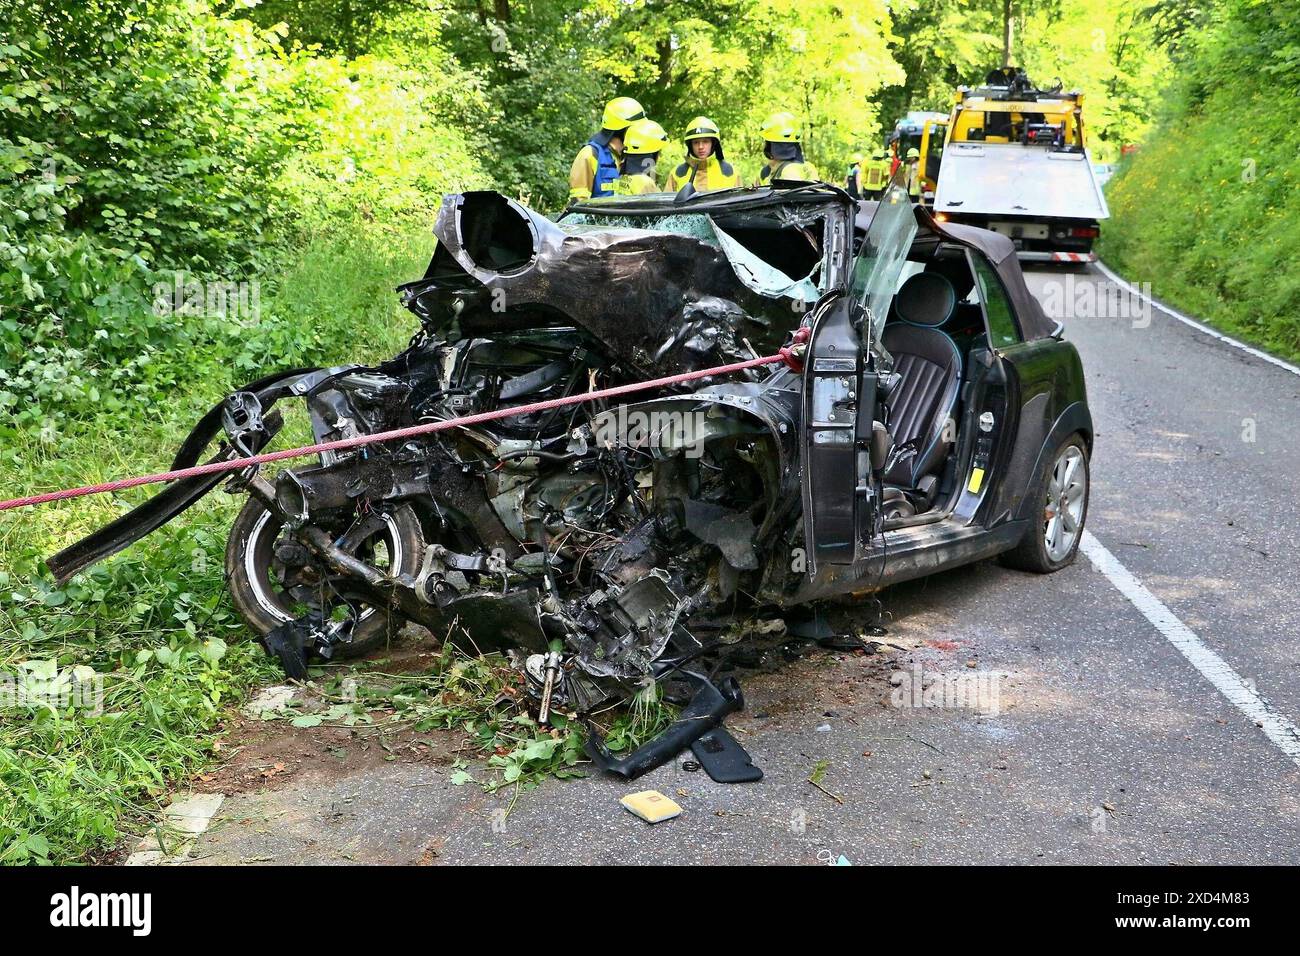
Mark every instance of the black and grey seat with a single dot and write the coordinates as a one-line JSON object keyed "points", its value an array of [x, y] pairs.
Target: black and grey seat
{"points": [[929, 365]]}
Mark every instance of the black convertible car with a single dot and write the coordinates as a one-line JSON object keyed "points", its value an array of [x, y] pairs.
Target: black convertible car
{"points": [[926, 414]]}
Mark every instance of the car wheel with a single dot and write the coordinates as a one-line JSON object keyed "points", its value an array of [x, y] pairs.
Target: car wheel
{"points": [[268, 591], [1063, 492]]}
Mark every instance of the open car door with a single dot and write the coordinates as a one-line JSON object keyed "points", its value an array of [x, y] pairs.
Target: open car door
{"points": [[841, 371]]}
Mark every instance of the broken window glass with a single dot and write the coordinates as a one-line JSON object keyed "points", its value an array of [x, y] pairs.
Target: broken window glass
{"points": [[881, 258]]}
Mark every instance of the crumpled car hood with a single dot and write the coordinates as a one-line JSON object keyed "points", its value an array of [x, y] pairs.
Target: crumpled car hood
{"points": [[653, 300]]}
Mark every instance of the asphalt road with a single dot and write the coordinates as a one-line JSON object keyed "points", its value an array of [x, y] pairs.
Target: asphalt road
{"points": [[1104, 742]]}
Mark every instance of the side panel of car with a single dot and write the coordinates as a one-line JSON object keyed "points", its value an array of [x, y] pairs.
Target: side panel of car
{"points": [[1046, 376]]}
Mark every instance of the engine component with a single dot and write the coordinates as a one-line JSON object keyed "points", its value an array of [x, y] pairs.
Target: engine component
{"points": [[622, 631]]}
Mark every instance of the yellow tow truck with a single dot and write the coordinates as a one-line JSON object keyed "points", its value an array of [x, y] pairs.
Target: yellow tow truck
{"points": [[1015, 161]]}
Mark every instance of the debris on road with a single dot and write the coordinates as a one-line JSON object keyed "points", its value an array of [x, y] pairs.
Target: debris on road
{"points": [[725, 760], [269, 700], [816, 777], [832, 859], [173, 837], [651, 806]]}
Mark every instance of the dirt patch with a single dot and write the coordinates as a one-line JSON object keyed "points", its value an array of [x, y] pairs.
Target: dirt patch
{"points": [[939, 645], [269, 754], [418, 652], [821, 682]]}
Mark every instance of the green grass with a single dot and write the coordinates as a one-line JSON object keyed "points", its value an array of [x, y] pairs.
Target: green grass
{"points": [[154, 622], [1208, 212]]}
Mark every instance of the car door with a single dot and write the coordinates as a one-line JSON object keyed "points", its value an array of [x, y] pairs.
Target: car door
{"points": [[1020, 376], [991, 418], [841, 371]]}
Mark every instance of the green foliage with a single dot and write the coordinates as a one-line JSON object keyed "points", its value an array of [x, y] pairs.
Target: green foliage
{"points": [[148, 145], [119, 121], [347, 27], [482, 696], [1208, 209], [1114, 51], [384, 136], [154, 632], [151, 619], [121, 152], [1119, 54], [940, 45]]}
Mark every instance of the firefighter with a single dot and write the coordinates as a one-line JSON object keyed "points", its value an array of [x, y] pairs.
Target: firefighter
{"points": [[914, 173], [597, 164], [875, 177], [642, 144], [783, 147], [853, 181], [705, 167]]}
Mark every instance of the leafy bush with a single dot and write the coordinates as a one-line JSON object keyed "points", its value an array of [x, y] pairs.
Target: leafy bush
{"points": [[383, 142], [149, 145], [124, 153], [1208, 209]]}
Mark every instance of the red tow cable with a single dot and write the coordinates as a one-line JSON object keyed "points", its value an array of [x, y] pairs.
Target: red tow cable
{"points": [[791, 355]]}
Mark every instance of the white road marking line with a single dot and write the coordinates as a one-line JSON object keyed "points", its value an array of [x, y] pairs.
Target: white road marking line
{"points": [[1213, 668], [188, 816], [1199, 326]]}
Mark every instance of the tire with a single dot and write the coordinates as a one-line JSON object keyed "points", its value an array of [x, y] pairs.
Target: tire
{"points": [[1048, 547], [264, 605]]}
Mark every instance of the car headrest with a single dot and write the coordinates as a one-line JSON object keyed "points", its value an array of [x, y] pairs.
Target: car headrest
{"points": [[925, 299]]}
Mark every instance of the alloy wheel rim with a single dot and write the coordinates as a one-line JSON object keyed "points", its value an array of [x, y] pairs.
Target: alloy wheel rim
{"points": [[261, 588], [1067, 493]]}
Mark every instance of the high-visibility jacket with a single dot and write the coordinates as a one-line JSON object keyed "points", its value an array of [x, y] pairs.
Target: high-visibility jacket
{"points": [[853, 181], [637, 184], [594, 169], [704, 174], [914, 178], [788, 169], [875, 174]]}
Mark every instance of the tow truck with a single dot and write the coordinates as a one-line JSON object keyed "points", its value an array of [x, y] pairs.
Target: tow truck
{"points": [[1016, 162]]}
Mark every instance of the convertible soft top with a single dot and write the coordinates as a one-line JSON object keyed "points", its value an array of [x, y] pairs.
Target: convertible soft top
{"points": [[1000, 252]]}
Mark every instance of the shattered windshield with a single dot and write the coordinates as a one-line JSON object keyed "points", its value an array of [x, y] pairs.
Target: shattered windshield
{"points": [[880, 260], [695, 225]]}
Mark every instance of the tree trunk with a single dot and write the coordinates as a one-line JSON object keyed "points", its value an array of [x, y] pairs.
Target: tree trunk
{"points": [[664, 49], [1006, 32], [349, 31]]}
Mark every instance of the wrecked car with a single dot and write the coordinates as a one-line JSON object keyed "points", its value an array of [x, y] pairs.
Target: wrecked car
{"points": [[929, 415]]}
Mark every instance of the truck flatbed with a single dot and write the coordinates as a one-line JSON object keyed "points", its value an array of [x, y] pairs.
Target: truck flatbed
{"points": [[1009, 179]]}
